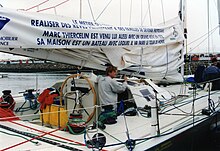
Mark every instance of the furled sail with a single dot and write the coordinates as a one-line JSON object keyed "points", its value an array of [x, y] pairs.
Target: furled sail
{"points": [[152, 50]]}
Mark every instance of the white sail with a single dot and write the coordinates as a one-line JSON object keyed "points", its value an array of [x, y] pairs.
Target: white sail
{"points": [[90, 44]]}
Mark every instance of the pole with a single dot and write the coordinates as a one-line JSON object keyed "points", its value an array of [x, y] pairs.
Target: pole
{"points": [[182, 15], [80, 13], [155, 129]]}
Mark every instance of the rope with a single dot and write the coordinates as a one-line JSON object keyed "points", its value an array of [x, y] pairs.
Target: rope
{"points": [[120, 12], [203, 40], [53, 6], [149, 12], [185, 103], [103, 10], [166, 45], [202, 36], [36, 5], [164, 134], [7, 115], [45, 133], [63, 138], [18, 136], [161, 1], [91, 11], [142, 22], [141, 12], [130, 13]]}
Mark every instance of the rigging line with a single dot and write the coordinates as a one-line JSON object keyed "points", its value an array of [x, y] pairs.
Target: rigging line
{"points": [[18, 136], [178, 108], [141, 12], [91, 11], [57, 136], [130, 13], [186, 103], [142, 49], [141, 60], [36, 5], [198, 44], [112, 135], [175, 130], [120, 12], [18, 144], [167, 57], [202, 36], [164, 134], [201, 41], [55, 10], [53, 6], [161, 1], [103, 10], [149, 12], [215, 5], [142, 22]]}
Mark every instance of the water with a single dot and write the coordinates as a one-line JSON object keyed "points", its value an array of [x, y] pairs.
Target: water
{"points": [[18, 82]]}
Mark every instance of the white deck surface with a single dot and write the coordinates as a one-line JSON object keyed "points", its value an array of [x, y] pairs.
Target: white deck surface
{"points": [[138, 126]]}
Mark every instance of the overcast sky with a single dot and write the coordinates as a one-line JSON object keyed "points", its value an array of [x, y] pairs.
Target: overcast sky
{"points": [[196, 15]]}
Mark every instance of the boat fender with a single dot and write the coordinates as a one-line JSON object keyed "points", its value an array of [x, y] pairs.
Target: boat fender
{"points": [[98, 141]]}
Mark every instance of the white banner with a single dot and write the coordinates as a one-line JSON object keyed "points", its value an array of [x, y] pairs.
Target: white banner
{"points": [[19, 29]]}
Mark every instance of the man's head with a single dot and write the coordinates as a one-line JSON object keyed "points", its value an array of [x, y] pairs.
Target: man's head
{"points": [[214, 61], [111, 71]]}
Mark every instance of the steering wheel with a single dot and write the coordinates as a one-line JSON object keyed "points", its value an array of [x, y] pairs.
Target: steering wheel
{"points": [[90, 115]]}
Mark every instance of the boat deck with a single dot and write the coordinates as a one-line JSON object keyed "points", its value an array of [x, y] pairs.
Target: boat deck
{"points": [[174, 118]]}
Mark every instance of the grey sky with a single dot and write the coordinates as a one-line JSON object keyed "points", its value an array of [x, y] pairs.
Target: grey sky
{"points": [[196, 15]]}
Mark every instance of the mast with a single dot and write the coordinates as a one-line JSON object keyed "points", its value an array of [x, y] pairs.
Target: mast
{"points": [[208, 18], [218, 7], [182, 15], [80, 13]]}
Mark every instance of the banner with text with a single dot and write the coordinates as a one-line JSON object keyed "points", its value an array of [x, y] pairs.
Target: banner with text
{"points": [[20, 29]]}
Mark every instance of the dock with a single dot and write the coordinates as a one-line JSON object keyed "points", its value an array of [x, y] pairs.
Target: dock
{"points": [[3, 75]]}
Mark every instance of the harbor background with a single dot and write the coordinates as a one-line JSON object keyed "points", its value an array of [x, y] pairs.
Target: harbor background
{"points": [[18, 82]]}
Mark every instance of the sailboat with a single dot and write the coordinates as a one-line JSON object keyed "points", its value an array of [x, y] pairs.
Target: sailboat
{"points": [[156, 119]]}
